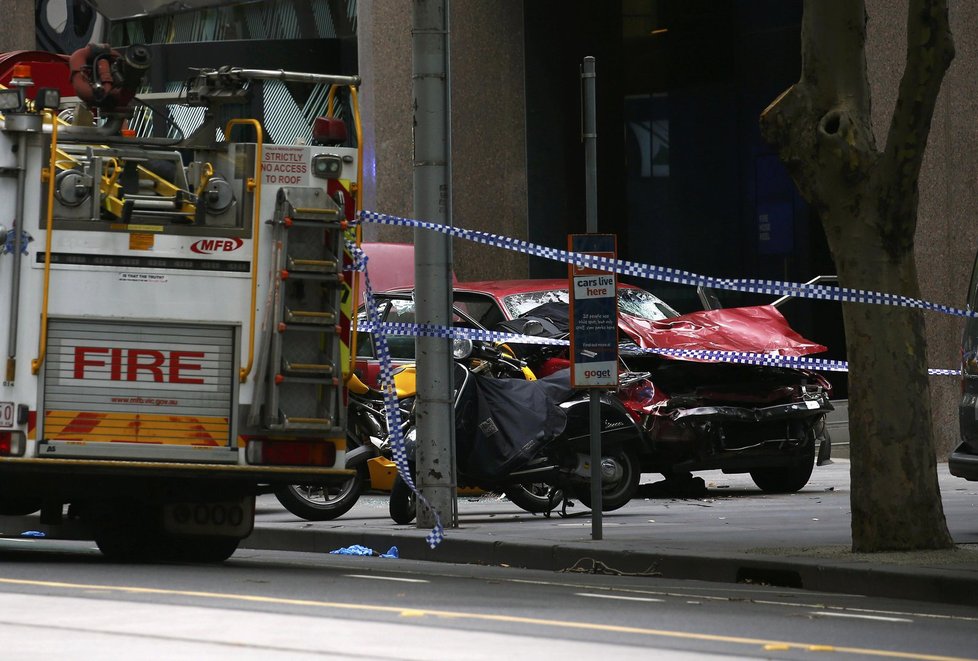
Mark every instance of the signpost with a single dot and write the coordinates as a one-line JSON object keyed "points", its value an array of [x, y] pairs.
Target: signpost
{"points": [[594, 315], [592, 333], [594, 344]]}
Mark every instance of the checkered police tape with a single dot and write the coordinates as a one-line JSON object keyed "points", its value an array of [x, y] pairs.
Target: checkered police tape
{"points": [[712, 355], [391, 409], [455, 333], [623, 267]]}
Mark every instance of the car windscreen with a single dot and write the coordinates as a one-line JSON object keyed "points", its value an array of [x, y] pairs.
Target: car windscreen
{"points": [[519, 304], [640, 303], [634, 302]]}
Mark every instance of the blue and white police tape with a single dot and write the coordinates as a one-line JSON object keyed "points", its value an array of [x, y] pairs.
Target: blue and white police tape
{"points": [[455, 333], [713, 355], [623, 267], [391, 409]]}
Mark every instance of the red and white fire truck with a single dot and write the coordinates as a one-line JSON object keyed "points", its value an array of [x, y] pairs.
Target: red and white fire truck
{"points": [[175, 310]]}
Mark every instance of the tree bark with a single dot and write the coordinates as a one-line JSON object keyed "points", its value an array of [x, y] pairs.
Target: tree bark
{"points": [[867, 202]]}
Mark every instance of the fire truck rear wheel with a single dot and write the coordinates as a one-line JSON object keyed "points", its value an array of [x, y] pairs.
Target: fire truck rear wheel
{"points": [[125, 531], [18, 506], [191, 548], [120, 545]]}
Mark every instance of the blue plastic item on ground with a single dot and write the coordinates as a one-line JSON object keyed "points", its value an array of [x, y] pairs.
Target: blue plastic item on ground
{"points": [[356, 549]]}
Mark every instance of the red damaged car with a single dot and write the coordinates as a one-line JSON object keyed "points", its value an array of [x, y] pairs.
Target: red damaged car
{"points": [[764, 420]]}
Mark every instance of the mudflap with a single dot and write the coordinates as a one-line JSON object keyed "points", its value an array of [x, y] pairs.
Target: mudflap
{"points": [[824, 441]]}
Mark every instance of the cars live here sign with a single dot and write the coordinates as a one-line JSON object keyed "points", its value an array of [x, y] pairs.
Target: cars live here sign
{"points": [[594, 315]]}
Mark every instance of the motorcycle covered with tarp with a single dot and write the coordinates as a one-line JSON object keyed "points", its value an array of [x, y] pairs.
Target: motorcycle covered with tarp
{"points": [[522, 438]]}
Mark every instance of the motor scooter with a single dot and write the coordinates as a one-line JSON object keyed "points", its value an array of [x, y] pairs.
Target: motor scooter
{"points": [[530, 440]]}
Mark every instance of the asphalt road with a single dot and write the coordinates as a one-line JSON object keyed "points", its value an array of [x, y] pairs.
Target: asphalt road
{"points": [[63, 600]]}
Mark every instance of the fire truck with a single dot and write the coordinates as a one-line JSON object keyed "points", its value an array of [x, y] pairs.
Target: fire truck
{"points": [[177, 308]]}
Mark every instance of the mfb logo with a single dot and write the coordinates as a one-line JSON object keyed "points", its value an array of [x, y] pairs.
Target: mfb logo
{"points": [[210, 246]]}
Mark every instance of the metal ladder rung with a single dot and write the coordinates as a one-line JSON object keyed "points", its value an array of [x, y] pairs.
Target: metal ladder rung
{"points": [[315, 215], [304, 423], [311, 265], [310, 317], [304, 369]]}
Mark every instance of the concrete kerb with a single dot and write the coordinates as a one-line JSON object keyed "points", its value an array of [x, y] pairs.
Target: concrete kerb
{"points": [[832, 575]]}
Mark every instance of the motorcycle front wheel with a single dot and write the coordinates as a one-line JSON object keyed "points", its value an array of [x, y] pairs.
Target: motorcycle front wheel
{"points": [[322, 502], [537, 498], [403, 505], [623, 465]]}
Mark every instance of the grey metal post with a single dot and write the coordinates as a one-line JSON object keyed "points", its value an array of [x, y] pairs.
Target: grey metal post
{"points": [[432, 266], [591, 192]]}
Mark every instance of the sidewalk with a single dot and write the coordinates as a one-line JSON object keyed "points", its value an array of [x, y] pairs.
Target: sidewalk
{"points": [[734, 533]]}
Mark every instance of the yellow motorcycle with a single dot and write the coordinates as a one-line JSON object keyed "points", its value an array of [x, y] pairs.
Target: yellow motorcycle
{"points": [[367, 445]]}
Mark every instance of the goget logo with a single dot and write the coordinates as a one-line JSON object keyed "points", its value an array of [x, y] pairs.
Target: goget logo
{"points": [[210, 246]]}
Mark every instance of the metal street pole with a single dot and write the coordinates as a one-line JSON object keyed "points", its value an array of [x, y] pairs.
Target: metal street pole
{"points": [[433, 258], [591, 192]]}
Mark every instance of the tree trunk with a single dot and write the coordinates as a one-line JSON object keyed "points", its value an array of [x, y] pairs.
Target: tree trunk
{"points": [[867, 202], [895, 497]]}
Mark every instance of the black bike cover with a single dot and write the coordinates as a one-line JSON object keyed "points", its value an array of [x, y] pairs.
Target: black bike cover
{"points": [[503, 423]]}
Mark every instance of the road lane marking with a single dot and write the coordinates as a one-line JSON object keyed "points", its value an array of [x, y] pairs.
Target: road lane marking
{"points": [[387, 578], [869, 611], [485, 617], [857, 616], [691, 592], [616, 596]]}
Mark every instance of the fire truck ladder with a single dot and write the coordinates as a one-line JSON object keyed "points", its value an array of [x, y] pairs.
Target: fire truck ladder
{"points": [[302, 371]]}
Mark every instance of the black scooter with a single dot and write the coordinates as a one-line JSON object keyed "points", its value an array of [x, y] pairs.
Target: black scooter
{"points": [[529, 440]]}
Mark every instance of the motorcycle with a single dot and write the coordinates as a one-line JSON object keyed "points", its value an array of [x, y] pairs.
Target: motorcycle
{"points": [[367, 452], [530, 440], [367, 443]]}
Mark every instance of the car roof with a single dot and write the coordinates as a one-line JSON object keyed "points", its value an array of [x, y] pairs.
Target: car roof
{"points": [[391, 265]]}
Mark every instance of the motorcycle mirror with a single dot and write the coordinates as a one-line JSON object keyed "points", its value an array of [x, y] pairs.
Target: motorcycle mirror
{"points": [[461, 349]]}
